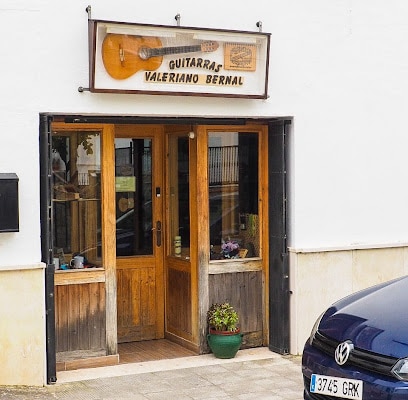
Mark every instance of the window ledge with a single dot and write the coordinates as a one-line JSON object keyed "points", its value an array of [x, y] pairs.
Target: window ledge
{"points": [[235, 265], [79, 276]]}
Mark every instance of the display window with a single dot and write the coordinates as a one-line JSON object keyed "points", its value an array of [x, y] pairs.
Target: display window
{"points": [[76, 191], [233, 195]]}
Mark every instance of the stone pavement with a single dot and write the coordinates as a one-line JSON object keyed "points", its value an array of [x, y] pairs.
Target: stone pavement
{"points": [[252, 374]]}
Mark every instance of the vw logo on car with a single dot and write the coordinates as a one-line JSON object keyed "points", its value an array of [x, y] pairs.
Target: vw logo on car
{"points": [[343, 351]]}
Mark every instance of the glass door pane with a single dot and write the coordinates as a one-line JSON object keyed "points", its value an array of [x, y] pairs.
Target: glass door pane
{"points": [[133, 171], [179, 185]]}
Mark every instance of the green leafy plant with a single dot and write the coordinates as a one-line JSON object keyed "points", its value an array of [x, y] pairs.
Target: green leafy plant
{"points": [[222, 317]]}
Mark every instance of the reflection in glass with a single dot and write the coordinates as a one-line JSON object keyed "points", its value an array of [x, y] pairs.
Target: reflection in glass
{"points": [[133, 171], [76, 172], [179, 196], [233, 194]]}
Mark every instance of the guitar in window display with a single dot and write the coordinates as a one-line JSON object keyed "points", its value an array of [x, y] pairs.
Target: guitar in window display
{"points": [[125, 55]]}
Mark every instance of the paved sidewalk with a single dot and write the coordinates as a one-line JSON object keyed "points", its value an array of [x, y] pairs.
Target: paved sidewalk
{"points": [[252, 374]]}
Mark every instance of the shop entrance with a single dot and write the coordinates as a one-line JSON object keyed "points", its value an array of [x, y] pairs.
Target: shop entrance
{"points": [[140, 214]]}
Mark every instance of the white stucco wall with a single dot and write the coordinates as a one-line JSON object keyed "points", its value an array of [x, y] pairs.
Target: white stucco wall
{"points": [[22, 327], [338, 68], [319, 278]]}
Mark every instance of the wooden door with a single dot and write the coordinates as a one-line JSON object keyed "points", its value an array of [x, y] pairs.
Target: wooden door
{"points": [[139, 230], [181, 283]]}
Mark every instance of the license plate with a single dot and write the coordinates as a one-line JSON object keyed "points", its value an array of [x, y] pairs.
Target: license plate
{"points": [[337, 387]]}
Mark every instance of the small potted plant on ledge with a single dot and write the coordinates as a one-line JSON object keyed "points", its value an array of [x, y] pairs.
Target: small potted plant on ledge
{"points": [[230, 249], [224, 337]]}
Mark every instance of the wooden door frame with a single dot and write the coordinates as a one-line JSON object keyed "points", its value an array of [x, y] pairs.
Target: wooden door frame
{"points": [[185, 338], [154, 132], [108, 274], [203, 261], [199, 241]]}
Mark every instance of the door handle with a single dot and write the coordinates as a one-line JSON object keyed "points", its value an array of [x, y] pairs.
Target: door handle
{"points": [[158, 233]]}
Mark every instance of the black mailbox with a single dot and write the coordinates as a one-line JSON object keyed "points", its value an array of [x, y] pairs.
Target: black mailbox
{"points": [[9, 203]]}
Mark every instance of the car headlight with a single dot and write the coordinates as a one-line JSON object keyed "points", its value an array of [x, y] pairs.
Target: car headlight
{"points": [[315, 328], [400, 369]]}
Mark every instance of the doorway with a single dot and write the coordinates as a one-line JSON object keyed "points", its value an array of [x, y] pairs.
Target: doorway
{"points": [[152, 226], [153, 170]]}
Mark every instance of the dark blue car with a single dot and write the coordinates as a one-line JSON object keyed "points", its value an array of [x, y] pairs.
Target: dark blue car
{"points": [[358, 348]]}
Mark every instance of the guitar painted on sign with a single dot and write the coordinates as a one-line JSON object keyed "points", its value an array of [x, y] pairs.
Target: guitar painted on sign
{"points": [[124, 55]]}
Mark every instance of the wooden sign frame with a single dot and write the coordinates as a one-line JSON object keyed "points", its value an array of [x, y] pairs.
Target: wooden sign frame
{"points": [[166, 60]]}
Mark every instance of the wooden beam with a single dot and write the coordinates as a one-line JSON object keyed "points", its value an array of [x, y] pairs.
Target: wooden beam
{"points": [[109, 236], [203, 244]]}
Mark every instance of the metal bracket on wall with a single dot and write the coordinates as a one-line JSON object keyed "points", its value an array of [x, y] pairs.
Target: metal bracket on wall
{"points": [[88, 10]]}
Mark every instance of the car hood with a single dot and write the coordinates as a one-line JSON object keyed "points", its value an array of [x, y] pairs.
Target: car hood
{"points": [[375, 319]]}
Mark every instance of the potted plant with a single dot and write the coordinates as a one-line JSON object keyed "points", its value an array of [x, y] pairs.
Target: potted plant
{"points": [[230, 249], [224, 337]]}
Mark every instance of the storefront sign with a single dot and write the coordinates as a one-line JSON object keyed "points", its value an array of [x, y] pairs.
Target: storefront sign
{"points": [[135, 58]]}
